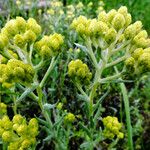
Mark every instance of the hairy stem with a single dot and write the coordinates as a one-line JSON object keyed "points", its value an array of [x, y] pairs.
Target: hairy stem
{"points": [[48, 72]]}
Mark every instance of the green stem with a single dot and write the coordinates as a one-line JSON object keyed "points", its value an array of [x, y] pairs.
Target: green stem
{"points": [[48, 72], [41, 63], [31, 95], [27, 92], [30, 54], [81, 90], [4, 146], [127, 112], [40, 102], [6, 54], [116, 61], [116, 76], [91, 53]]}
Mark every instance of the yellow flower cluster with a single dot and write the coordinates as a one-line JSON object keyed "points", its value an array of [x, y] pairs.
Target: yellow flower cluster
{"points": [[49, 45], [139, 60], [19, 134], [115, 29], [101, 5], [69, 118], [16, 71], [79, 70], [55, 3], [108, 25], [19, 32], [112, 127], [99, 27], [3, 109], [56, 8]]}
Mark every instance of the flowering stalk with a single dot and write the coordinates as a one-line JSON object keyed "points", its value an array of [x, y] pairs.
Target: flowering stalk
{"points": [[109, 39], [20, 69]]}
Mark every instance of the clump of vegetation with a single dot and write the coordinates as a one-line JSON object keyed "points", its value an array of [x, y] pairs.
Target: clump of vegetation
{"points": [[77, 78]]}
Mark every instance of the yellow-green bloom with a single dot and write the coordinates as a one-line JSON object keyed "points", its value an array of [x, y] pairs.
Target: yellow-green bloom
{"points": [[80, 71], [3, 109], [69, 118], [18, 133], [112, 127]]}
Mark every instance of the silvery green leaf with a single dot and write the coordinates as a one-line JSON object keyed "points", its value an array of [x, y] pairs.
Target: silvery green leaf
{"points": [[81, 47], [86, 145], [48, 138], [49, 106], [27, 92]]}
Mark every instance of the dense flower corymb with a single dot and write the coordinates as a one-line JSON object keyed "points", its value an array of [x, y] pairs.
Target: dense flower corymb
{"points": [[115, 30], [79, 70], [18, 133], [49, 45], [112, 127], [20, 31], [16, 71]]}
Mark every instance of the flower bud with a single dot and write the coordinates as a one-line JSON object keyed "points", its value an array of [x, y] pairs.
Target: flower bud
{"points": [[147, 50], [22, 129], [144, 62], [14, 146], [128, 20], [80, 28], [130, 63], [3, 41], [3, 60], [142, 42], [74, 24], [130, 32], [11, 27], [102, 16], [33, 123], [111, 14], [102, 28], [137, 53], [19, 40], [138, 25], [1, 131], [6, 123], [19, 73], [25, 144], [21, 24], [33, 26], [142, 34], [120, 135], [17, 119], [93, 28], [110, 35], [59, 106], [69, 118], [15, 126], [29, 36], [123, 10], [3, 108], [46, 52], [7, 136], [33, 131], [118, 21]]}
